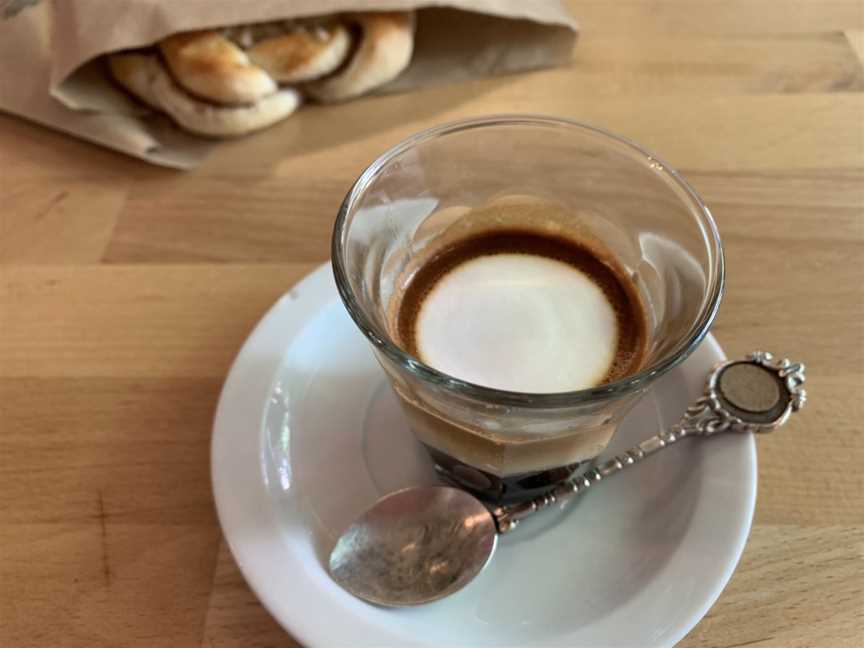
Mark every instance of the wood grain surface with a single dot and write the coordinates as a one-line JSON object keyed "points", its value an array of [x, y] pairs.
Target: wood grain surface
{"points": [[126, 290]]}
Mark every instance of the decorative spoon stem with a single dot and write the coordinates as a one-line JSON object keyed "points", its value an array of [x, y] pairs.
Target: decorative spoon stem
{"points": [[715, 412]]}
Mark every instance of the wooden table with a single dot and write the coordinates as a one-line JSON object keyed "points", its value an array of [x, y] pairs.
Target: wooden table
{"points": [[126, 290]]}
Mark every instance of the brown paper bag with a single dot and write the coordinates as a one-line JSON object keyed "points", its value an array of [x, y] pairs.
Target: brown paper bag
{"points": [[50, 71]]}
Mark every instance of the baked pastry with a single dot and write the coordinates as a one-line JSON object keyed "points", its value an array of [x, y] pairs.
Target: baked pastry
{"points": [[303, 53], [384, 48], [145, 77], [236, 80], [212, 67]]}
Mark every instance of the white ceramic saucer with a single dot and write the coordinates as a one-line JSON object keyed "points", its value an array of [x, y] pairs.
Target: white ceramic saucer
{"points": [[308, 434]]}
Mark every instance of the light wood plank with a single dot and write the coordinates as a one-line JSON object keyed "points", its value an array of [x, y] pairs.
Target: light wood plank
{"points": [[651, 64], [708, 17], [284, 212], [138, 585], [796, 587], [71, 224], [128, 321], [140, 447], [107, 528], [713, 133], [126, 290], [29, 151]]}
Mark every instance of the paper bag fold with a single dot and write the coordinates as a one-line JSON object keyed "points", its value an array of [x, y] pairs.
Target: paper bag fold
{"points": [[50, 70]]}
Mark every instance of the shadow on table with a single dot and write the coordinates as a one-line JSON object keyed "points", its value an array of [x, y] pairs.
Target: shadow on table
{"points": [[317, 128]]}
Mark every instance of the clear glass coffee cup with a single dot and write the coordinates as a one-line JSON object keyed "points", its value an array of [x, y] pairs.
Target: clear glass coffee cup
{"points": [[597, 187]]}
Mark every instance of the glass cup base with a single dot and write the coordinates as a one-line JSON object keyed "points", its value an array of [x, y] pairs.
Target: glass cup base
{"points": [[495, 489]]}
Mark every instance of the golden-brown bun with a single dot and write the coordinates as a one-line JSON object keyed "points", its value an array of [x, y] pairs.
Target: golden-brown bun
{"points": [[212, 67], [384, 50], [303, 53], [145, 76]]}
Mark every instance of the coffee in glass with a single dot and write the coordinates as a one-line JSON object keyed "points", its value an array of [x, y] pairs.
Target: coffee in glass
{"points": [[523, 280]]}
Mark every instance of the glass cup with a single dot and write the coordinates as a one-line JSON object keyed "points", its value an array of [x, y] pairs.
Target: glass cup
{"points": [[591, 185]]}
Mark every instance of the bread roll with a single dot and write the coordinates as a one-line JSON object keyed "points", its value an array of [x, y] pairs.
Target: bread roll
{"points": [[211, 67], [303, 53], [146, 77], [384, 50]]}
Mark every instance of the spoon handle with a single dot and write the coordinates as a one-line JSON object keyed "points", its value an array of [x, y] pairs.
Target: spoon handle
{"points": [[758, 395], [508, 517]]}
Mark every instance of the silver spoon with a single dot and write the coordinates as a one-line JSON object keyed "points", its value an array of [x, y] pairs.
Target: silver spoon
{"points": [[424, 543]]}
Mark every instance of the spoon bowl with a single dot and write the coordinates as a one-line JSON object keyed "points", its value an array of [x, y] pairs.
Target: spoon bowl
{"points": [[415, 546]]}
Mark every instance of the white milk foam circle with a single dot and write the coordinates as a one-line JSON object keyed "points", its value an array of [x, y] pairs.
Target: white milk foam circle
{"points": [[519, 322]]}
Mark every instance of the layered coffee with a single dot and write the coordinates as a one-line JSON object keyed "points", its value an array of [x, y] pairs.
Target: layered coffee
{"points": [[522, 311]]}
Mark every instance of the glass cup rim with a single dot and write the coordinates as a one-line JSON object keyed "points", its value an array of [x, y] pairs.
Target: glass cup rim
{"points": [[629, 384]]}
